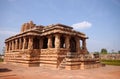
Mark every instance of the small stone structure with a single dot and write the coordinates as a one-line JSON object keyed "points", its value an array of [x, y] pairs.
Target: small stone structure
{"points": [[54, 46]]}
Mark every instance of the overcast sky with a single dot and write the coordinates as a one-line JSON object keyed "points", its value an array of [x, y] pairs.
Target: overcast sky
{"points": [[98, 19]]}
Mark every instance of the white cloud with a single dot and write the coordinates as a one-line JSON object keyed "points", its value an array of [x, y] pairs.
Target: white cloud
{"points": [[7, 32], [82, 25]]}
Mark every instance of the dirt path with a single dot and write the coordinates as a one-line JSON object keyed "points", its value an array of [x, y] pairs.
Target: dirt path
{"points": [[10, 71]]}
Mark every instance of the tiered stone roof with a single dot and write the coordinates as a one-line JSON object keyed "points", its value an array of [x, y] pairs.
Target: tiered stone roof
{"points": [[32, 29]]}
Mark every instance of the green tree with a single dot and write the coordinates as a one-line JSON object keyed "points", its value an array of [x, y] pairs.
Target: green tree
{"points": [[119, 52], [3, 51], [104, 51], [96, 52]]}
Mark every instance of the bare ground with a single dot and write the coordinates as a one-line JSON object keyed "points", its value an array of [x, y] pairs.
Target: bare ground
{"points": [[10, 71]]}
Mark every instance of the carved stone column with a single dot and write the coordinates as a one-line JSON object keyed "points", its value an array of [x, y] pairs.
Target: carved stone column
{"points": [[84, 46], [20, 43], [6, 47], [24, 43], [16, 44], [13, 45], [84, 43], [9, 45], [49, 42], [78, 44], [30, 42], [57, 41], [67, 42]]}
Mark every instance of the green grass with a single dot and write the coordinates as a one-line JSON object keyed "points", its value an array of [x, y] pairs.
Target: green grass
{"points": [[111, 62]]}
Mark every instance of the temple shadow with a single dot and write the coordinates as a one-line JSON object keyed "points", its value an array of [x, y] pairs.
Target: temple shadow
{"points": [[5, 70]]}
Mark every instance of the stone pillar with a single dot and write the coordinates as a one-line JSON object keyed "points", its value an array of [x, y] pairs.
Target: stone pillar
{"points": [[67, 42], [49, 42], [78, 44], [6, 47], [30, 42], [84, 46], [13, 45], [16, 44], [24, 43], [84, 43], [9, 45], [57, 41], [20, 43]]}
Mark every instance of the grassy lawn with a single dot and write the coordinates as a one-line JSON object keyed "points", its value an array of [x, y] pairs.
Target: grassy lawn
{"points": [[111, 62]]}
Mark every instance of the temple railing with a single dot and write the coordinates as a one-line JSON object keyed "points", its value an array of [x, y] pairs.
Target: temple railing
{"points": [[82, 57]]}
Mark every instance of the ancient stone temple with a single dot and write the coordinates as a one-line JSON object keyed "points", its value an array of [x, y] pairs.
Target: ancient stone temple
{"points": [[53, 46]]}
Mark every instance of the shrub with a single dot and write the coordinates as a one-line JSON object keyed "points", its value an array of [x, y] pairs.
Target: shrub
{"points": [[111, 62]]}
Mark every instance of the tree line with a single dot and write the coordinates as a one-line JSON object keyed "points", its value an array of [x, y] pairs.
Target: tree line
{"points": [[104, 51]]}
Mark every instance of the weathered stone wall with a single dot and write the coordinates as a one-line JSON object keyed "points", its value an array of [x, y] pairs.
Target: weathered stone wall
{"points": [[48, 57], [110, 56], [26, 57], [52, 56]]}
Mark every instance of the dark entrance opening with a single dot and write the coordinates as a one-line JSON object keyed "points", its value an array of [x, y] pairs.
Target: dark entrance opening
{"points": [[21, 43], [35, 43], [53, 42], [26, 44], [62, 42], [45, 41], [72, 45]]}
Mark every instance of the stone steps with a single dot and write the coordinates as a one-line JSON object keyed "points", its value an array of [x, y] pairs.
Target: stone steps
{"points": [[62, 64]]}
